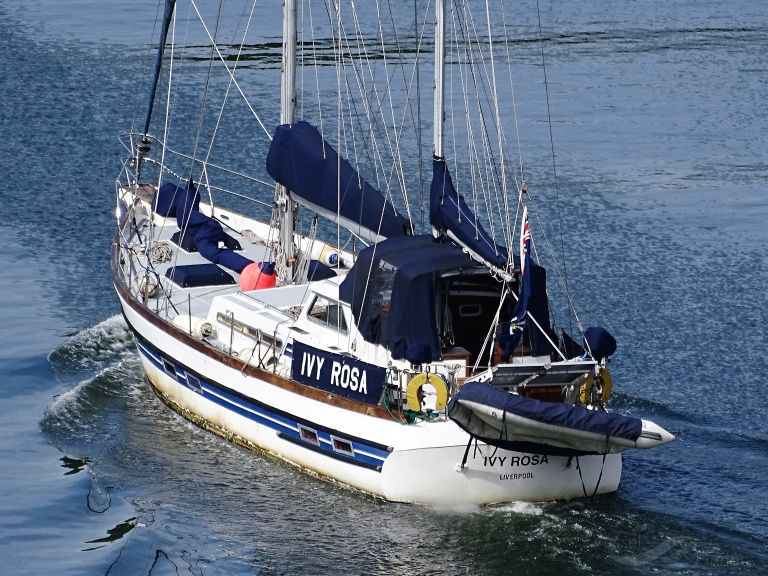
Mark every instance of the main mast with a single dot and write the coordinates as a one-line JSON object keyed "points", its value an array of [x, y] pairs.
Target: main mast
{"points": [[437, 139], [286, 207], [439, 89]]}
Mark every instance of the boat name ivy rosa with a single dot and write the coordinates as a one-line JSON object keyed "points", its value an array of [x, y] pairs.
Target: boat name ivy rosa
{"points": [[340, 374], [525, 460]]}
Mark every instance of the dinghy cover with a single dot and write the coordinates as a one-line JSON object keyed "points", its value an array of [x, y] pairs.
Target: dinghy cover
{"points": [[564, 425]]}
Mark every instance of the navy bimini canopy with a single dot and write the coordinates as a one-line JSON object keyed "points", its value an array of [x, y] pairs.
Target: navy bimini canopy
{"points": [[319, 179], [391, 289], [448, 212]]}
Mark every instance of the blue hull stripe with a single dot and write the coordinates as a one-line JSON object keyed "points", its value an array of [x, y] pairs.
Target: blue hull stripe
{"points": [[364, 454]]}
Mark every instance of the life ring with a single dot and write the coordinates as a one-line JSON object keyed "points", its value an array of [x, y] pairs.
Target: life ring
{"points": [[415, 385], [606, 384]]}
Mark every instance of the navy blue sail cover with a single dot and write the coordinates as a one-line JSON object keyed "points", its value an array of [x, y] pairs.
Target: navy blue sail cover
{"points": [[554, 413], [391, 289], [448, 211], [316, 176], [170, 198], [538, 307], [198, 232], [316, 270], [208, 235]]}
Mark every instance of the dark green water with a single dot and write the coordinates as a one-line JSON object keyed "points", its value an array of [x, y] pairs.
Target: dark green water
{"points": [[660, 129]]}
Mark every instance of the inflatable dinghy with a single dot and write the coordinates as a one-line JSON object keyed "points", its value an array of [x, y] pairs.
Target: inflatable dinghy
{"points": [[511, 421]]}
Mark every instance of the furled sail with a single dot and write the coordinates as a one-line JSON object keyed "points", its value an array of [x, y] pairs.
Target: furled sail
{"points": [[449, 213], [167, 15], [318, 178]]}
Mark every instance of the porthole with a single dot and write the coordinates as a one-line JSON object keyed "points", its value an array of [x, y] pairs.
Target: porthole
{"points": [[342, 446], [170, 368], [309, 435], [194, 383]]}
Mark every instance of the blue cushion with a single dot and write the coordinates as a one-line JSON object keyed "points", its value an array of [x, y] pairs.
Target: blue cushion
{"points": [[319, 271], [186, 242], [195, 275]]}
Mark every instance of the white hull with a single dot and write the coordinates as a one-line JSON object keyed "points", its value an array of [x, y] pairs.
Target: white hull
{"points": [[418, 463]]}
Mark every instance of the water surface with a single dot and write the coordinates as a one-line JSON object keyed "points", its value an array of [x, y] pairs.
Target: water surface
{"points": [[660, 131]]}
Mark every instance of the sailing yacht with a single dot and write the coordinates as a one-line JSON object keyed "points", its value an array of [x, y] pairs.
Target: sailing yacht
{"points": [[414, 363]]}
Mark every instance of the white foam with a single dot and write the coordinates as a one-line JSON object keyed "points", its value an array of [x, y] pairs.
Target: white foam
{"points": [[64, 399], [525, 508], [126, 371], [112, 333], [107, 342]]}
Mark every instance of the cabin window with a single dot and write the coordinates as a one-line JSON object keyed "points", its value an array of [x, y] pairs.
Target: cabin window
{"points": [[383, 283], [342, 446], [229, 321], [328, 313], [309, 435], [470, 310]]}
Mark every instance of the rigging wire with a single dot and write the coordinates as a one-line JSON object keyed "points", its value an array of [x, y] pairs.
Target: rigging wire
{"points": [[396, 168], [231, 74], [514, 98], [554, 173], [145, 69], [480, 88], [374, 105], [491, 164], [204, 170], [417, 122], [316, 69], [339, 119], [166, 128], [408, 108], [497, 118], [204, 103]]}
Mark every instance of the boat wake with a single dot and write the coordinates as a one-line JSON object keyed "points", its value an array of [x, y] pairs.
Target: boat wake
{"points": [[99, 371], [92, 349], [622, 402], [522, 508], [114, 381]]}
